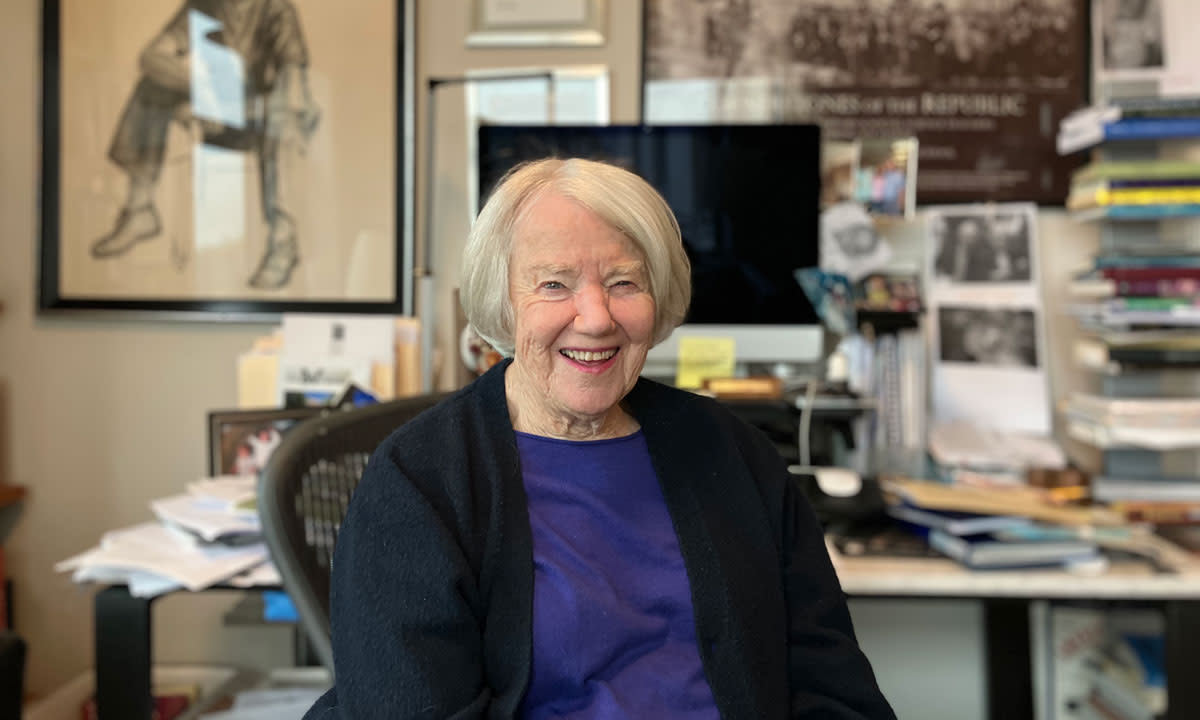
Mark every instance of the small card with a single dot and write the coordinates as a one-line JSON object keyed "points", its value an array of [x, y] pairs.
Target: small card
{"points": [[704, 357]]}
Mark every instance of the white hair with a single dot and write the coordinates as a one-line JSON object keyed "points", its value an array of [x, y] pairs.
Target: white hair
{"points": [[615, 195]]}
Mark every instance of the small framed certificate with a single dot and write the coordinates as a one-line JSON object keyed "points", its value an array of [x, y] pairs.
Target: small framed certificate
{"points": [[536, 23]]}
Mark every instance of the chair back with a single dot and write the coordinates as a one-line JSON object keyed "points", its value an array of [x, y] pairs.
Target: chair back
{"points": [[303, 495]]}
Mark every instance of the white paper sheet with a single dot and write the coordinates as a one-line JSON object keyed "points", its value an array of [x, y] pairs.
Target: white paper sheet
{"points": [[988, 336], [132, 554], [202, 516]]}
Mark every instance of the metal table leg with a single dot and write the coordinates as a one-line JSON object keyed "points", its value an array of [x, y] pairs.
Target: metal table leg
{"points": [[1182, 641], [1009, 662], [123, 690]]}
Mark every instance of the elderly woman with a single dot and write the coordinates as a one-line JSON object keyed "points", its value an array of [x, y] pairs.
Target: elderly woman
{"points": [[562, 538]]}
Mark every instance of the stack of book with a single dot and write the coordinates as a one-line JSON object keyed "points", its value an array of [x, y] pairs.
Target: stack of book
{"points": [[1136, 189], [1150, 447], [993, 528]]}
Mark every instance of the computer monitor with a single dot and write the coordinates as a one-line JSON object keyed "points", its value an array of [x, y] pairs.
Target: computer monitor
{"points": [[747, 201]]}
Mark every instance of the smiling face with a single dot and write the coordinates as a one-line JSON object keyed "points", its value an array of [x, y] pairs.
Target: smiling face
{"points": [[583, 321]]}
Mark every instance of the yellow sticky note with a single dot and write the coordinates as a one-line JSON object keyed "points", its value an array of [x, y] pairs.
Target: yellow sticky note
{"points": [[704, 357]]}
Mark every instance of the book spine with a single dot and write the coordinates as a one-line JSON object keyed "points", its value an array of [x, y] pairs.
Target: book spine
{"points": [[1104, 262], [1147, 196], [1150, 212], [1151, 128], [1161, 288], [1120, 274], [1153, 357], [1152, 303], [1146, 170]]}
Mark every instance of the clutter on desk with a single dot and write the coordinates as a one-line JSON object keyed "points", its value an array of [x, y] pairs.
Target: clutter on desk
{"points": [[971, 454], [313, 359], [202, 538]]}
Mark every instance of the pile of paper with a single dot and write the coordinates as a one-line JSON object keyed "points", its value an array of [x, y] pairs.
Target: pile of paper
{"points": [[202, 538]]}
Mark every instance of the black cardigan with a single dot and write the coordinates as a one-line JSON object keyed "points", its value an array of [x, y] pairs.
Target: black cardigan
{"points": [[432, 596]]}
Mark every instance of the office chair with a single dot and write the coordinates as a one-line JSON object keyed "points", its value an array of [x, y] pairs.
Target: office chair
{"points": [[303, 495]]}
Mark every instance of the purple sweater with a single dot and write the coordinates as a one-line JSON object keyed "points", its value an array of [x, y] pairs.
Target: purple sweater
{"points": [[614, 634]]}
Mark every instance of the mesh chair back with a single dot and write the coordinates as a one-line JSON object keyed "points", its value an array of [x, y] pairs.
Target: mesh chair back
{"points": [[303, 495]]}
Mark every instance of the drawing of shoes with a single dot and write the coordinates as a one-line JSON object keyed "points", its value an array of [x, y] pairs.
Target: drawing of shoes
{"points": [[275, 270], [132, 227]]}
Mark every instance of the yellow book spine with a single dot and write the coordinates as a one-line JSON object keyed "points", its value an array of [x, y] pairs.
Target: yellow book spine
{"points": [[1148, 196]]}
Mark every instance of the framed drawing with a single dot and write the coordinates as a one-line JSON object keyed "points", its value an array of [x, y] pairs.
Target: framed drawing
{"points": [[226, 158], [981, 85], [241, 441], [536, 23]]}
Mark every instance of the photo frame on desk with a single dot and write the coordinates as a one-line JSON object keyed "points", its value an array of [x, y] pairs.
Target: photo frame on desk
{"points": [[241, 441], [537, 23], [267, 171]]}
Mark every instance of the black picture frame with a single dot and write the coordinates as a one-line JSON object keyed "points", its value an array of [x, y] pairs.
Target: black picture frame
{"points": [[705, 42], [227, 429], [390, 246]]}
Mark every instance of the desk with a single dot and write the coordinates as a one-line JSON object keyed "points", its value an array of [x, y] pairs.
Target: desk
{"points": [[123, 632], [1006, 598]]}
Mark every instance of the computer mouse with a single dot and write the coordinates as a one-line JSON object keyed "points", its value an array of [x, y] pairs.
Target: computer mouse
{"points": [[838, 481]]}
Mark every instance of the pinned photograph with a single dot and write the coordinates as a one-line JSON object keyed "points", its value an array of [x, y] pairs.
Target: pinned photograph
{"points": [[1131, 34], [886, 177], [982, 247], [988, 336]]}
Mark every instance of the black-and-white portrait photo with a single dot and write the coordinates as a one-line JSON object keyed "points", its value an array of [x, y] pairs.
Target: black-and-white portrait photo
{"points": [[982, 247], [1131, 34], [987, 336], [225, 150]]}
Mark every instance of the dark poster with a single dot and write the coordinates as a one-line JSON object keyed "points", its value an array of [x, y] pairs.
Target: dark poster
{"points": [[982, 84]]}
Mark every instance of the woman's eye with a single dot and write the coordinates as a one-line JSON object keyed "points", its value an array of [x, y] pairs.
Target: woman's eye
{"points": [[553, 285]]}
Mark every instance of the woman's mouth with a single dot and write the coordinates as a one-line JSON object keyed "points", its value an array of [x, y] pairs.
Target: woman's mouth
{"points": [[589, 356], [591, 361]]}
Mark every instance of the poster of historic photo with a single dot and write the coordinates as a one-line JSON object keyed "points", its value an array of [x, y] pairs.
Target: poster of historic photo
{"points": [[982, 84], [227, 150], [1145, 48]]}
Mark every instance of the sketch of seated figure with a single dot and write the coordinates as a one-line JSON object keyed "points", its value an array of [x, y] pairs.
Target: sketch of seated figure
{"points": [[234, 72]]}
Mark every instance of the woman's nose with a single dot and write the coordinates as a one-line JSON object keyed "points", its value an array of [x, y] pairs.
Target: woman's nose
{"points": [[592, 315]]}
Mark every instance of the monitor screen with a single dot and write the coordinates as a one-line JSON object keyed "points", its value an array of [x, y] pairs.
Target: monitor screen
{"points": [[746, 197]]}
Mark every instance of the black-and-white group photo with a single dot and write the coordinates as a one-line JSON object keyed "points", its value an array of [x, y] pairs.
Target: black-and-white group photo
{"points": [[1131, 34], [988, 336], [982, 247], [862, 43], [977, 82]]}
